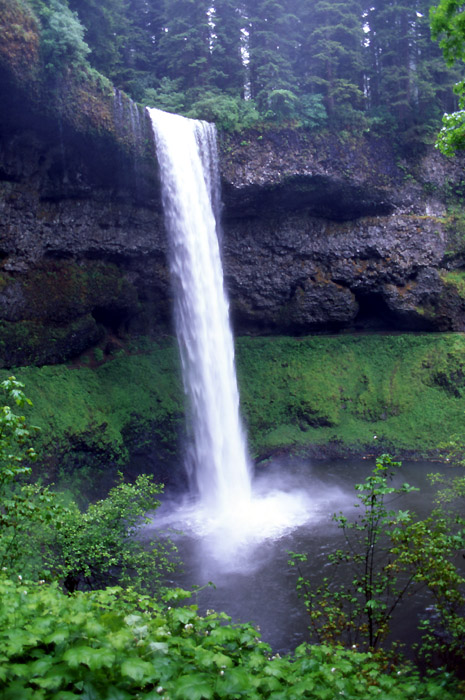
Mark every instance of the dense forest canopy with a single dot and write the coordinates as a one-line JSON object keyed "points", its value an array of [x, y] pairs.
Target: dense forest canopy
{"points": [[310, 62]]}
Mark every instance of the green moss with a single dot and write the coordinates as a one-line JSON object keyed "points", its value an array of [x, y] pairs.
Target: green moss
{"points": [[23, 342], [97, 415], [408, 390], [61, 290], [456, 280]]}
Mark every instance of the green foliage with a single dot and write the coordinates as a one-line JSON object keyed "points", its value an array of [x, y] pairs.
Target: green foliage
{"points": [[115, 644], [108, 28], [62, 35], [282, 104], [451, 138], [167, 96], [229, 113], [447, 26], [101, 546], [227, 69], [359, 612], [347, 389], [272, 39], [426, 550], [124, 403], [389, 556], [307, 62], [295, 392], [311, 111], [22, 506], [42, 536], [455, 279]]}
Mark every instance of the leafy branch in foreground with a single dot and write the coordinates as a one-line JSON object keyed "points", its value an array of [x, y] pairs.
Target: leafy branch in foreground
{"points": [[115, 644], [388, 556], [427, 549], [23, 507], [358, 612], [101, 547], [43, 537]]}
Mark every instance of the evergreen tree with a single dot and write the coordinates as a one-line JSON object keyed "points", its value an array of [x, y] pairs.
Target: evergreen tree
{"points": [[433, 79], [272, 44], [227, 65], [107, 29], [406, 76], [330, 60], [184, 50], [141, 47]]}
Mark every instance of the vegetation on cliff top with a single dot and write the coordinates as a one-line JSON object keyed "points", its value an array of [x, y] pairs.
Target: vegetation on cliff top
{"points": [[237, 63], [448, 27]]}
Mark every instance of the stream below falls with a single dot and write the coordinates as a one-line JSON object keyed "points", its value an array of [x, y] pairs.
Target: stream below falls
{"points": [[247, 559]]}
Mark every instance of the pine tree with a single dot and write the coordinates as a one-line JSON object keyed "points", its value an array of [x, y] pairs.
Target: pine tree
{"points": [[330, 60], [272, 44], [107, 28], [184, 51], [406, 77], [227, 64]]}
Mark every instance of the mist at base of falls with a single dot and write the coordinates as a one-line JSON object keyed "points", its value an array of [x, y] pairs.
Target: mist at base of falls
{"points": [[228, 540], [246, 553]]}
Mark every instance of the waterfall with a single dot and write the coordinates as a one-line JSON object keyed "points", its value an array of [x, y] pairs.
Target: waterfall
{"points": [[187, 157]]}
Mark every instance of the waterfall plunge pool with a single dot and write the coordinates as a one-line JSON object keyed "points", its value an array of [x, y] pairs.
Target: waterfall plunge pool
{"points": [[245, 554]]}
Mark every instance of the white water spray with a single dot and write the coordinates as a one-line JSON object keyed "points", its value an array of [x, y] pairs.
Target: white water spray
{"points": [[188, 161]]}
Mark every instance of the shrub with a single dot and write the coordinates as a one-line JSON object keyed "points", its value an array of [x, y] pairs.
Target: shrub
{"points": [[116, 644], [42, 536]]}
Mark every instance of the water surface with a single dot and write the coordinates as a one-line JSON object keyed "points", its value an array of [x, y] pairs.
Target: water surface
{"points": [[291, 510]]}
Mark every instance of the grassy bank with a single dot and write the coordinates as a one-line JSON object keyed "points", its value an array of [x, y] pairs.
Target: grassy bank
{"points": [[408, 390], [103, 411]]}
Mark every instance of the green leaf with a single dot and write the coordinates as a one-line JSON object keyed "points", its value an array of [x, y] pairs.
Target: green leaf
{"points": [[79, 655], [236, 681], [194, 687], [138, 670]]}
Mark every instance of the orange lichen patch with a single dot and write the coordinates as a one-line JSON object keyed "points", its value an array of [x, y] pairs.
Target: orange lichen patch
{"points": [[95, 109], [360, 266], [321, 278], [406, 289], [19, 38]]}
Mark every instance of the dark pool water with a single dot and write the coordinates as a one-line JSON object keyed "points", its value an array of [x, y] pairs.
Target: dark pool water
{"points": [[250, 571]]}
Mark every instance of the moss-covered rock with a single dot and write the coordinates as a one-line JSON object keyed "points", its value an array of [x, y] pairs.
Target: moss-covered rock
{"points": [[122, 410], [60, 309], [316, 395], [361, 393]]}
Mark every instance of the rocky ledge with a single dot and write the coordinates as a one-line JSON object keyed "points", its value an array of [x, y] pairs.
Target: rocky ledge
{"points": [[326, 233]]}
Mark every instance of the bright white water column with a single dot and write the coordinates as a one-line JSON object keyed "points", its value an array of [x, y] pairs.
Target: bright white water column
{"points": [[188, 162]]}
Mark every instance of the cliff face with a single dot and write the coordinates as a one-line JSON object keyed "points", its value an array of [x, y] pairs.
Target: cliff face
{"points": [[324, 234], [320, 233]]}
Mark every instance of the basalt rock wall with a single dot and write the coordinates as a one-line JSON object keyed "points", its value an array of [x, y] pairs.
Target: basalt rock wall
{"points": [[321, 232], [326, 233]]}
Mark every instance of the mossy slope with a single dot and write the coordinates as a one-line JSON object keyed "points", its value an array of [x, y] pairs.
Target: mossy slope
{"points": [[104, 415], [408, 390]]}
